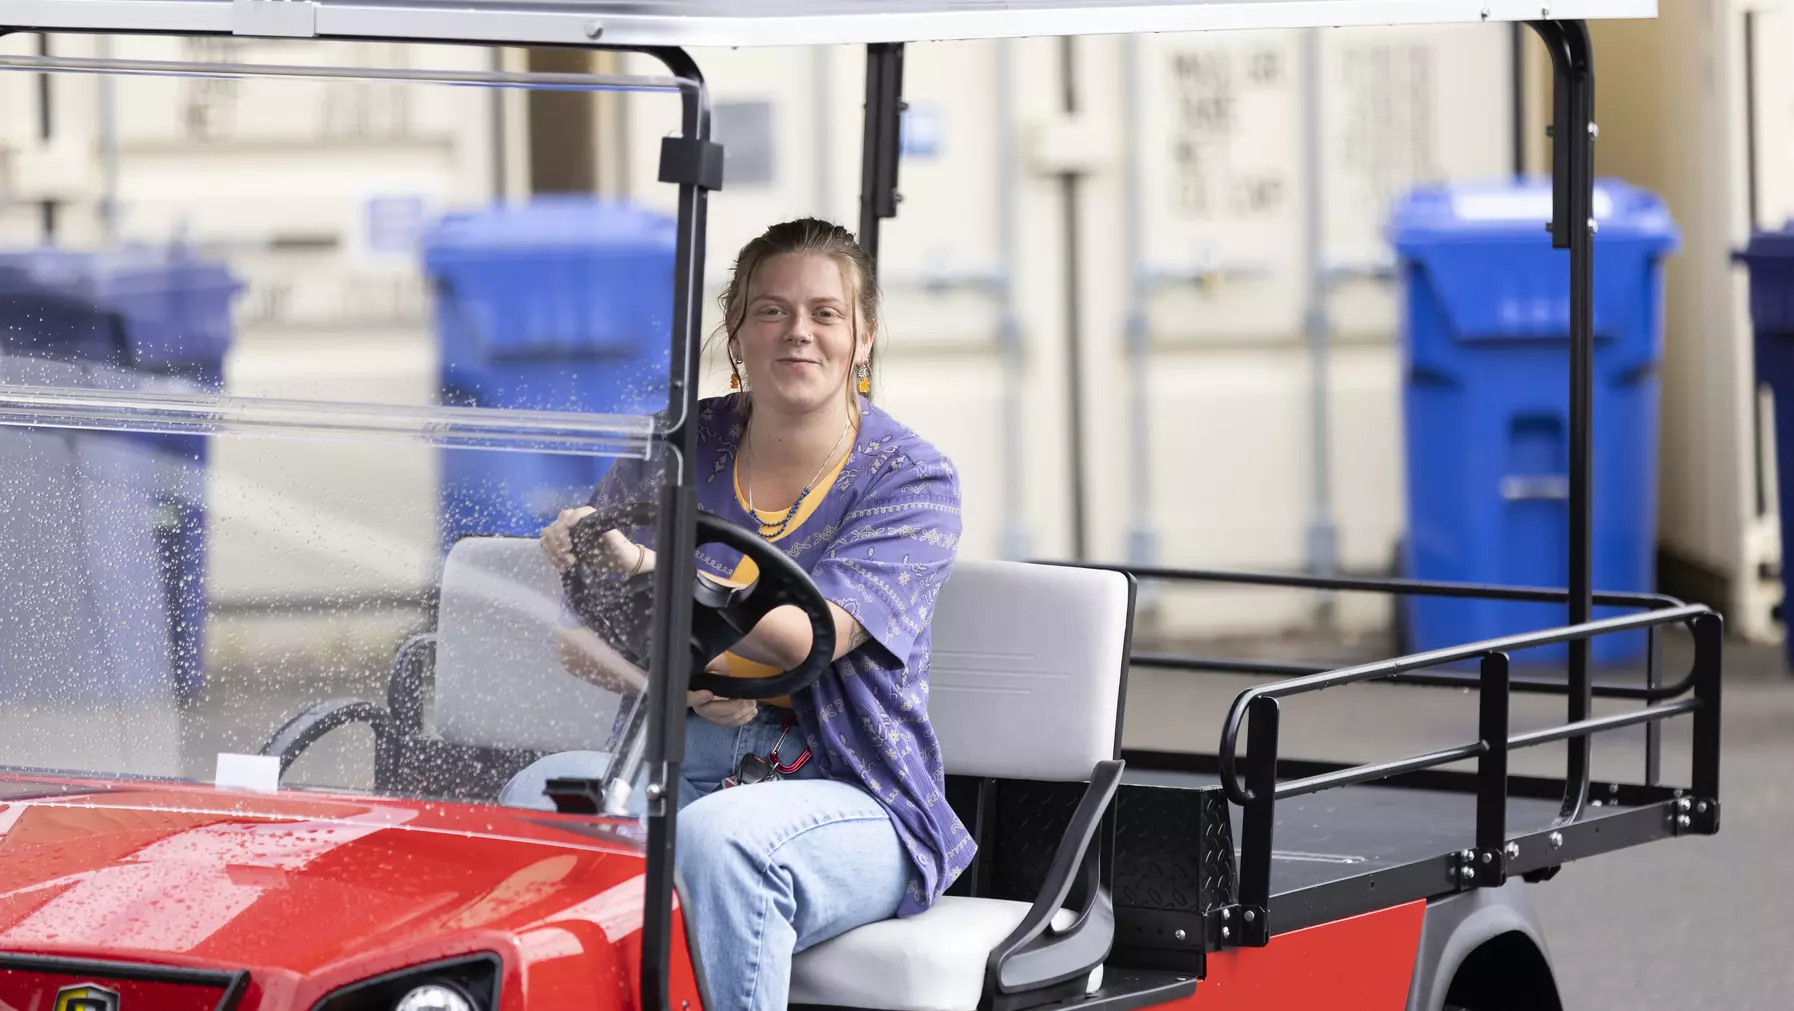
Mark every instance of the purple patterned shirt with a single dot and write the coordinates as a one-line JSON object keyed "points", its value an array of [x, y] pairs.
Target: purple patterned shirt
{"points": [[881, 545]]}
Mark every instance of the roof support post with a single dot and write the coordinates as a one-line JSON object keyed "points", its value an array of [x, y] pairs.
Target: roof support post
{"points": [[695, 164], [1573, 227], [1491, 777]]}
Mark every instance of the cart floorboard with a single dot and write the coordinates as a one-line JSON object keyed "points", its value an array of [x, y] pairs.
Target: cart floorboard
{"points": [[1350, 850], [1357, 830]]}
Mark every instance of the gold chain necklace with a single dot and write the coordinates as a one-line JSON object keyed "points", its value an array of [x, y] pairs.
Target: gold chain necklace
{"points": [[748, 484]]}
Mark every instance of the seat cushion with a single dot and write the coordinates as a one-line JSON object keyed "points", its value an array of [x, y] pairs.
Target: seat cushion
{"points": [[933, 961]]}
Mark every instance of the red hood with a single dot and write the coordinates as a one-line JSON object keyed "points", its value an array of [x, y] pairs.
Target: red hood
{"points": [[308, 891]]}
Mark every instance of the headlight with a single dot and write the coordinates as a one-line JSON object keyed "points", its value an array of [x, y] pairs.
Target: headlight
{"points": [[467, 983], [435, 997]]}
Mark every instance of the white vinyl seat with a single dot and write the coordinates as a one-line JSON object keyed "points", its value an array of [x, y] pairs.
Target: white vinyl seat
{"points": [[933, 961], [1026, 684]]}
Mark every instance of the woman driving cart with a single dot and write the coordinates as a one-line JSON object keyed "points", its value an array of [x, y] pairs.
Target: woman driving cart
{"points": [[846, 821]]}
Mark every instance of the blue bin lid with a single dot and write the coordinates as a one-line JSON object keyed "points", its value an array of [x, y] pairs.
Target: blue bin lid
{"points": [[1771, 245], [152, 288], [104, 275], [38, 320], [549, 224], [1472, 211]]}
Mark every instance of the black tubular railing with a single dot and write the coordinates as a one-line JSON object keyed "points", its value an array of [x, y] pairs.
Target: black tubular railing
{"points": [[1258, 708], [1649, 692], [1368, 584], [1652, 692]]}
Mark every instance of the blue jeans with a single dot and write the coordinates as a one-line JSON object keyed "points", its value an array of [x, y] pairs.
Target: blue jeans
{"points": [[767, 870]]}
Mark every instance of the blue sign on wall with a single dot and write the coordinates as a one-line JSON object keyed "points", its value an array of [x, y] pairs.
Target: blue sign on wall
{"points": [[394, 224], [921, 132]]}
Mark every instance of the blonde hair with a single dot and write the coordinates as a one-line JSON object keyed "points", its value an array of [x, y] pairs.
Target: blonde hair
{"points": [[812, 237]]}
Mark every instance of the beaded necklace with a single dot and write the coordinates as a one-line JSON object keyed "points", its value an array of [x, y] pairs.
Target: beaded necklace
{"points": [[748, 485]]}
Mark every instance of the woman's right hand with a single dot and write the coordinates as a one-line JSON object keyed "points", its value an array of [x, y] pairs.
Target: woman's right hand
{"points": [[557, 537], [621, 555]]}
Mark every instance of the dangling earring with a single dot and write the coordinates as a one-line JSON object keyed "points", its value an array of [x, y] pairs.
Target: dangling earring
{"points": [[864, 372], [734, 374]]}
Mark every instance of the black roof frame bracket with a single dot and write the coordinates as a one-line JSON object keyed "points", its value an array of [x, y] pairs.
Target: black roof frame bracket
{"points": [[881, 146], [691, 161]]}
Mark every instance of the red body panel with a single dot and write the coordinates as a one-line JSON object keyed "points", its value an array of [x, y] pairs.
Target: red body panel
{"points": [[31, 992], [312, 891], [1365, 963]]}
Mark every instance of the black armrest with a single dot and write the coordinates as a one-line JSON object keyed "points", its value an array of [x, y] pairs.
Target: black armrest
{"points": [[318, 719], [1034, 956]]}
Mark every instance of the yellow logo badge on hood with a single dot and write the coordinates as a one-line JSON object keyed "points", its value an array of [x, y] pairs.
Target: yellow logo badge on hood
{"points": [[86, 997]]}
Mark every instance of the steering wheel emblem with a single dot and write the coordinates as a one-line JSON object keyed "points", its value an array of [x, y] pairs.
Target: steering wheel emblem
{"points": [[86, 997]]}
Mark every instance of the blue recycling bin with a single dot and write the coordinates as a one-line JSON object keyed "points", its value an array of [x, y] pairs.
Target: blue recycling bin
{"points": [[560, 304], [1770, 259], [1485, 330], [149, 317]]}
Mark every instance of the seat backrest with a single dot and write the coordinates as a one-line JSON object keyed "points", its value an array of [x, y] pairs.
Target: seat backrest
{"points": [[499, 680], [1028, 669]]}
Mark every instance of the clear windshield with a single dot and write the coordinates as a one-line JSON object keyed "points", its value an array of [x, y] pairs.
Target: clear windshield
{"points": [[292, 374]]}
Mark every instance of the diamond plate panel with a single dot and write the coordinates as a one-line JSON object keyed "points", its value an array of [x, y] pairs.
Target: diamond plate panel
{"points": [[1161, 888], [1219, 875], [1158, 848], [1030, 818]]}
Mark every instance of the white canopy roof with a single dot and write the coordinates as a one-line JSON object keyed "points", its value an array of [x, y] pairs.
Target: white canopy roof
{"points": [[763, 22]]}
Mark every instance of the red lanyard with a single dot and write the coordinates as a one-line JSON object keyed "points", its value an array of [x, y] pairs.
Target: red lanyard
{"points": [[799, 762], [755, 769]]}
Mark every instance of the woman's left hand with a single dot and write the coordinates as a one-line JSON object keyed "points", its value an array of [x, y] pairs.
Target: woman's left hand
{"points": [[722, 712]]}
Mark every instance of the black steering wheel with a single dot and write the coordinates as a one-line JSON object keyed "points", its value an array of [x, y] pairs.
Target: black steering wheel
{"points": [[614, 606]]}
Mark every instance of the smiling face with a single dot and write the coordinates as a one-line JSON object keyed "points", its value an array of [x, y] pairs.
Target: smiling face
{"points": [[799, 336]]}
